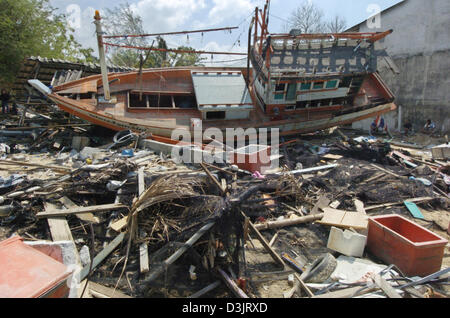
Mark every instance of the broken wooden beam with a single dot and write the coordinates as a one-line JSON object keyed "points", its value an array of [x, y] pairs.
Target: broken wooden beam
{"points": [[385, 287], [143, 258], [216, 182], [205, 290], [303, 285], [169, 261], [266, 245], [289, 222], [87, 217], [60, 230], [101, 256], [80, 210], [346, 293], [30, 164], [414, 200], [119, 225], [302, 171], [101, 291], [232, 285]]}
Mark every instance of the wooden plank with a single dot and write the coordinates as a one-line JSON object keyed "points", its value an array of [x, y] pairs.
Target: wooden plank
{"points": [[79, 210], [415, 200], [302, 283], [143, 258], [30, 164], [289, 222], [119, 225], [169, 261], [102, 255], [232, 285], [344, 219], [386, 287], [59, 228], [344, 293], [141, 181], [206, 289], [332, 157], [143, 248], [87, 217], [106, 291], [216, 182], [266, 245]]}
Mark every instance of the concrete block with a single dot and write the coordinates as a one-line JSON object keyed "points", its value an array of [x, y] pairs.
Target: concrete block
{"points": [[347, 242], [78, 143]]}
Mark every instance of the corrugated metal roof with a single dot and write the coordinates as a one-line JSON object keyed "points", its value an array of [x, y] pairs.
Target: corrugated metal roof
{"points": [[220, 89], [44, 70]]}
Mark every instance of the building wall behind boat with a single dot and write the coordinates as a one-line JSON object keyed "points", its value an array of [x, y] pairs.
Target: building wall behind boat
{"points": [[420, 47]]}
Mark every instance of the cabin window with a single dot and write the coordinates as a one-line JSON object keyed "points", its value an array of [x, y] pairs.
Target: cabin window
{"points": [[305, 86], [185, 102], [160, 101], [215, 115], [332, 84], [288, 108], [279, 96], [136, 102], [302, 105], [345, 82], [318, 85], [280, 87], [291, 93], [86, 96]]}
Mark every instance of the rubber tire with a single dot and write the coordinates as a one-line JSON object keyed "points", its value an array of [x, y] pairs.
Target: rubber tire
{"points": [[124, 137], [320, 270]]}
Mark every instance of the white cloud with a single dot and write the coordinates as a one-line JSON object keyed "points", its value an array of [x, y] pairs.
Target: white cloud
{"points": [[166, 15], [86, 33], [224, 10]]}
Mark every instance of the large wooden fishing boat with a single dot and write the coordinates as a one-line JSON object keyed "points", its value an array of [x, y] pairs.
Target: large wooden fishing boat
{"points": [[298, 83]]}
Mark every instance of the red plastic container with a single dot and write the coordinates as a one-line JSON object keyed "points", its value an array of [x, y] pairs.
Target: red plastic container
{"points": [[252, 158], [411, 247], [26, 272]]}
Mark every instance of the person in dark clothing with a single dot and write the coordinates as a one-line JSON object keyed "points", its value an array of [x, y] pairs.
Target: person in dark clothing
{"points": [[4, 98], [408, 128]]}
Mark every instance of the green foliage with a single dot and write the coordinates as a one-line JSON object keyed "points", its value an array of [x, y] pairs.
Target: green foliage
{"points": [[33, 28]]}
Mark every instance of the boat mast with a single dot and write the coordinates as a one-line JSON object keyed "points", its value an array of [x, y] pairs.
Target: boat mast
{"points": [[101, 52]]}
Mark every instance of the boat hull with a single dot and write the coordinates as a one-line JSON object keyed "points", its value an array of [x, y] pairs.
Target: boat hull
{"points": [[285, 128]]}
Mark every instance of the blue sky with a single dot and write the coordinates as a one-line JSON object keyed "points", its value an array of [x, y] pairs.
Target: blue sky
{"points": [[178, 15]]}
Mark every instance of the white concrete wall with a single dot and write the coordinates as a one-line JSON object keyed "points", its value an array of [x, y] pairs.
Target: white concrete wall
{"points": [[420, 47], [420, 26]]}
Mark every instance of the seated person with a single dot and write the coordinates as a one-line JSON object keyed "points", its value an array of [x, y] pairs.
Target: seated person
{"points": [[408, 128], [378, 126], [429, 127]]}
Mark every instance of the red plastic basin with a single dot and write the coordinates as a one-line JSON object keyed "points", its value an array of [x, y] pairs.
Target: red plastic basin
{"points": [[28, 273], [415, 250]]}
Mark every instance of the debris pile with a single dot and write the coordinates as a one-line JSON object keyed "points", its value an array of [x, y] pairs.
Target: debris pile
{"points": [[143, 225]]}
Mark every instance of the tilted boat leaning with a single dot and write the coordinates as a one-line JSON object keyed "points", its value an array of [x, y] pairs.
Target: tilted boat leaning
{"points": [[298, 83]]}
